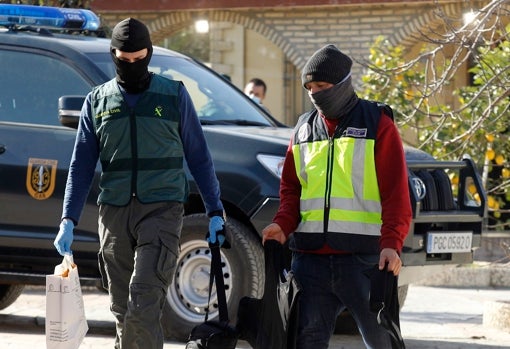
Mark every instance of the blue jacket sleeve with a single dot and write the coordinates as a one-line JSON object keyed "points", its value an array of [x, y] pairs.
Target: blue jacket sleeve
{"points": [[197, 155], [82, 167]]}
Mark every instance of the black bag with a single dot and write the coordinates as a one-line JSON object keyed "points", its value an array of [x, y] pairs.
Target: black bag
{"points": [[384, 302], [212, 335], [215, 334], [271, 322]]}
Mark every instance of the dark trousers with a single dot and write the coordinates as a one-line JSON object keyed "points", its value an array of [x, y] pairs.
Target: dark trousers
{"points": [[139, 245], [331, 283]]}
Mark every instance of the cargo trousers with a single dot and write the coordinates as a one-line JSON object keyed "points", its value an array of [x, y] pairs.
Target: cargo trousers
{"points": [[139, 245]]}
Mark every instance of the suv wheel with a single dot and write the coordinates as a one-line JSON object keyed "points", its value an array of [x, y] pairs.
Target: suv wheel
{"points": [[9, 294], [243, 270]]}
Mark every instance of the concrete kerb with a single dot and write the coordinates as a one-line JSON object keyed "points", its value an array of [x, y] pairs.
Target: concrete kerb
{"points": [[478, 274]]}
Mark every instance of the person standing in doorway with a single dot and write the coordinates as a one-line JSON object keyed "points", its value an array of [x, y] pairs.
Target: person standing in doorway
{"points": [[256, 89], [344, 202], [141, 127]]}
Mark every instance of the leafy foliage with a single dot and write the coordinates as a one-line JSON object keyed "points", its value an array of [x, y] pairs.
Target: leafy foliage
{"points": [[450, 122], [190, 43]]}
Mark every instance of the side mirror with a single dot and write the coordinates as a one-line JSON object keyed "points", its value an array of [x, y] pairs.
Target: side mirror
{"points": [[69, 108]]}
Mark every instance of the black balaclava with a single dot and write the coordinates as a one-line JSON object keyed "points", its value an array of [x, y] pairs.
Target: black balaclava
{"points": [[131, 35], [329, 64]]}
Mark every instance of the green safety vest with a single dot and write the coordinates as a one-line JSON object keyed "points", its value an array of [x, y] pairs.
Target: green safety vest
{"points": [[141, 151], [340, 202]]}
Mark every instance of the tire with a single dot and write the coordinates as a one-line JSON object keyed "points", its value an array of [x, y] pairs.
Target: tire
{"points": [[345, 323], [9, 294], [187, 296]]}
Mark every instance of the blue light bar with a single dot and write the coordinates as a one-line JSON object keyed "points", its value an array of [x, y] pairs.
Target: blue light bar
{"points": [[48, 17]]}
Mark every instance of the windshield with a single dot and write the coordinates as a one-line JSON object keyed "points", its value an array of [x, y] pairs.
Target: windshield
{"points": [[216, 101]]}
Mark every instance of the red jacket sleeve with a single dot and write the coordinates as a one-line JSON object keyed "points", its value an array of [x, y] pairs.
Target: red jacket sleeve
{"points": [[288, 215], [391, 170]]}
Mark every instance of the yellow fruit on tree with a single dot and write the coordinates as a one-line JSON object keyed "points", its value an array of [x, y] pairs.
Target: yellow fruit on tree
{"points": [[490, 154], [409, 95], [489, 137], [491, 202], [500, 159], [505, 173]]}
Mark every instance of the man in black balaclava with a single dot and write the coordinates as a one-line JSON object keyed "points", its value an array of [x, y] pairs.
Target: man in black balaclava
{"points": [[344, 202], [132, 36], [142, 127]]}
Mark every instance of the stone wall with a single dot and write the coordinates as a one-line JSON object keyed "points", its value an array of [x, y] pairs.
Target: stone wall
{"points": [[299, 31]]}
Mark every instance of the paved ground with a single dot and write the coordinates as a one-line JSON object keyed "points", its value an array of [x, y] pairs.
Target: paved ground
{"points": [[432, 317]]}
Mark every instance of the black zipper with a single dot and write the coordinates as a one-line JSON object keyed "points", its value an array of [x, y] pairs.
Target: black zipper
{"points": [[134, 151], [329, 174]]}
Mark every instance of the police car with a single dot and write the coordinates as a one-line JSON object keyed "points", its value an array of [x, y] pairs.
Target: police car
{"points": [[52, 57]]}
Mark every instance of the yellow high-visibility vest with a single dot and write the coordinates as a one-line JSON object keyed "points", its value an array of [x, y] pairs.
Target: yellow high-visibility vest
{"points": [[339, 188]]}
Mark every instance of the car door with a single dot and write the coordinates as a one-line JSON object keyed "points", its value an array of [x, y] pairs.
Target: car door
{"points": [[34, 148]]}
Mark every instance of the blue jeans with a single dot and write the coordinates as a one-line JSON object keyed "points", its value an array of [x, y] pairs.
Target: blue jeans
{"points": [[331, 283]]}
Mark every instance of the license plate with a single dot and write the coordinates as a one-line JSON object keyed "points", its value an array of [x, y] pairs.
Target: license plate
{"points": [[446, 242]]}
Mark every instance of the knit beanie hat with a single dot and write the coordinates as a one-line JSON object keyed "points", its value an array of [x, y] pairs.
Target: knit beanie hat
{"points": [[131, 35], [327, 64]]}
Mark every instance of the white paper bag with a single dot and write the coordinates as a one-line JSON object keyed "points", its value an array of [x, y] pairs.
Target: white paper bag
{"points": [[66, 324]]}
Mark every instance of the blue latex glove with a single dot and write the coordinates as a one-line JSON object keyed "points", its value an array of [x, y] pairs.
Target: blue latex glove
{"points": [[64, 237], [216, 225]]}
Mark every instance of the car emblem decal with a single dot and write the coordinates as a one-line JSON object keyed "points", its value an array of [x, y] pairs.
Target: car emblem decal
{"points": [[419, 188], [41, 176]]}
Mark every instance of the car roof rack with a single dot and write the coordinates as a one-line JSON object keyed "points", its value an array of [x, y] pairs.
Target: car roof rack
{"points": [[44, 19]]}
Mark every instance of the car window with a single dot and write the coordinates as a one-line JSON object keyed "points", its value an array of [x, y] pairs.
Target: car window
{"points": [[32, 84], [216, 101]]}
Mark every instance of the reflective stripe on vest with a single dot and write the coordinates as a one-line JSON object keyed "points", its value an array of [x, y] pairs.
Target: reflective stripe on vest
{"points": [[342, 184]]}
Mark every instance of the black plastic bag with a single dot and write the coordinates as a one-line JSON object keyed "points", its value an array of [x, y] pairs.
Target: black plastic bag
{"points": [[271, 322], [384, 302], [213, 335]]}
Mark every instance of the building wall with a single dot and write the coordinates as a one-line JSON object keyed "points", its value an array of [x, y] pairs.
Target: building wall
{"points": [[265, 60], [272, 39]]}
